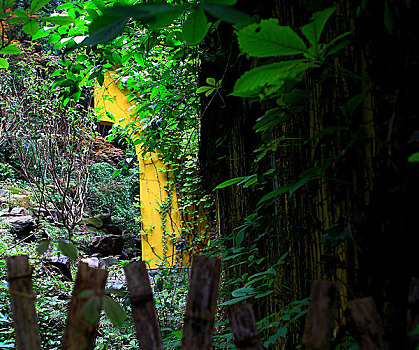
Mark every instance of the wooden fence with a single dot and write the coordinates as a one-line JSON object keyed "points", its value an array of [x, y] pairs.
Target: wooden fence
{"points": [[80, 334]]}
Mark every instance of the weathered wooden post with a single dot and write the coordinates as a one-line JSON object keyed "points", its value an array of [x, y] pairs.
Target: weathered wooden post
{"points": [[19, 275], [143, 309], [369, 331], [244, 328], [201, 304], [80, 333], [321, 313]]}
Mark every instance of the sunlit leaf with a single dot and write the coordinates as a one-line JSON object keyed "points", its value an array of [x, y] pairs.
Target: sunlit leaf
{"points": [[274, 74], [10, 50], [268, 38], [60, 20], [31, 27]]}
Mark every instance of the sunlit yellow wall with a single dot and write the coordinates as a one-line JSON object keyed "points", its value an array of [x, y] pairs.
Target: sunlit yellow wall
{"points": [[157, 240]]}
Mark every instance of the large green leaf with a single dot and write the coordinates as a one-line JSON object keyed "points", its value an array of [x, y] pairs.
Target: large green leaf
{"points": [[268, 38], [10, 50], [414, 158], [37, 4], [91, 309], [228, 14], [230, 182], [274, 193], [60, 20], [4, 63], [251, 82], [104, 29], [43, 246], [313, 30], [114, 311], [31, 27], [68, 249], [21, 13], [195, 27]]}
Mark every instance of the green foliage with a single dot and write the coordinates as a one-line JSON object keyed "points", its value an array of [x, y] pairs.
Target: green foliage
{"points": [[114, 196], [6, 171]]}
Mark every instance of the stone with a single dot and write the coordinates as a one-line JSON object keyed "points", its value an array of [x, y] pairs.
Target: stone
{"points": [[107, 245], [105, 218], [20, 200], [61, 264], [113, 229], [21, 226], [91, 261], [51, 214], [108, 262], [133, 243], [18, 211]]}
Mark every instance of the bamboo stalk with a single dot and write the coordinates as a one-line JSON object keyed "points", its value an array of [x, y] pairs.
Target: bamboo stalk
{"points": [[143, 309], [201, 304], [369, 331], [80, 333], [318, 327], [22, 299], [244, 328]]}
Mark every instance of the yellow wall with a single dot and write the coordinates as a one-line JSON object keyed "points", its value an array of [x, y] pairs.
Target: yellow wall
{"points": [[157, 239]]}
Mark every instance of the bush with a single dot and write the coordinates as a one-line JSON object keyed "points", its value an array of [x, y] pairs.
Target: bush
{"points": [[114, 196]]}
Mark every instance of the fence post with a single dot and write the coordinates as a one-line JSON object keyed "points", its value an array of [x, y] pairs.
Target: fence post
{"points": [[143, 309], [318, 327], [369, 331], [201, 304], [22, 299], [80, 334], [244, 328]]}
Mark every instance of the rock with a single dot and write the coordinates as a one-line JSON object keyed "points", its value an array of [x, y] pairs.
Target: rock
{"points": [[133, 243], [19, 211], [21, 226], [20, 200], [113, 229], [51, 214], [107, 245], [132, 248], [60, 264], [105, 218], [108, 262], [91, 261]]}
